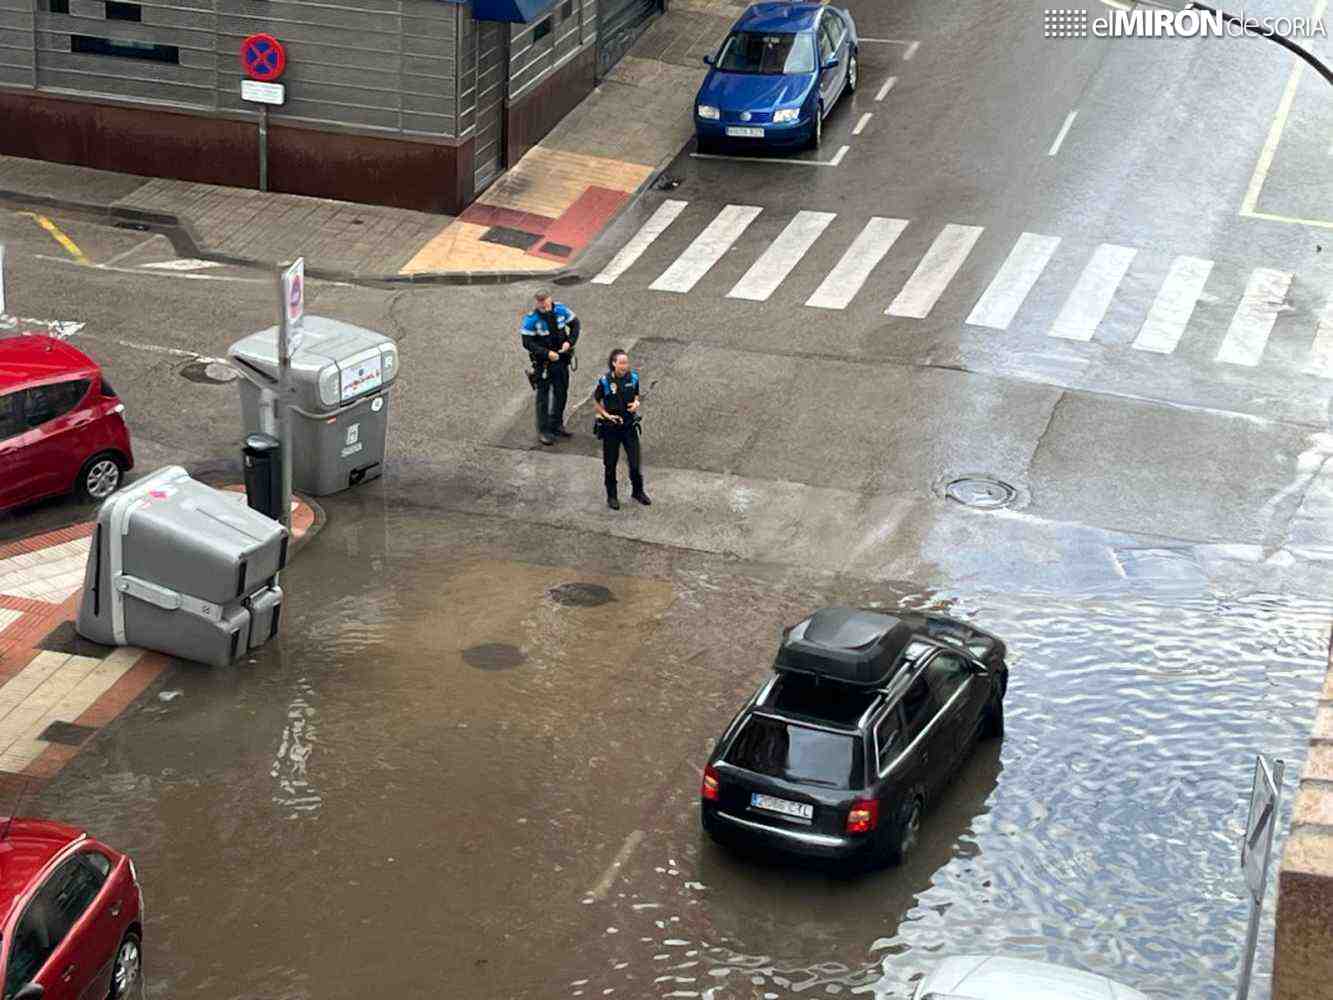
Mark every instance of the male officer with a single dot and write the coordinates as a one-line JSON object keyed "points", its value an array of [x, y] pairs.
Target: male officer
{"points": [[616, 400], [549, 334]]}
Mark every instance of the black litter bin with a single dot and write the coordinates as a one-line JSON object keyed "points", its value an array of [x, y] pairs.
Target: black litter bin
{"points": [[263, 474]]}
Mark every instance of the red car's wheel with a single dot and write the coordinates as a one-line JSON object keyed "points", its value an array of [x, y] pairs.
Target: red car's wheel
{"points": [[127, 975]]}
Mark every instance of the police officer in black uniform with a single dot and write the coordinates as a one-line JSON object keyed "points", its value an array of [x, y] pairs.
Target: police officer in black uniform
{"points": [[549, 334], [616, 400]]}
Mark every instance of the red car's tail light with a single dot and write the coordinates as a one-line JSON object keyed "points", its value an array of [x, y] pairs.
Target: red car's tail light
{"points": [[710, 784], [863, 816]]}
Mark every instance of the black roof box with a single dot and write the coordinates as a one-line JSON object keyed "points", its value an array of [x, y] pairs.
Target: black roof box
{"points": [[845, 645]]}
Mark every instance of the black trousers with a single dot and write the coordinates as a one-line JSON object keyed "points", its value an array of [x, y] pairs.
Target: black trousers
{"points": [[612, 442], [552, 394]]}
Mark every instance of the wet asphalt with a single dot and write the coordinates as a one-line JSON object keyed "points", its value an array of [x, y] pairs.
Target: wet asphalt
{"points": [[444, 779]]}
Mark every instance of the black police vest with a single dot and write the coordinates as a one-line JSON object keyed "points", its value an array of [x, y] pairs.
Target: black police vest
{"points": [[618, 393]]}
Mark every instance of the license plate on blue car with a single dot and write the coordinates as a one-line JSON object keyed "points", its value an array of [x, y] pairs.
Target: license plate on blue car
{"points": [[769, 803], [744, 132]]}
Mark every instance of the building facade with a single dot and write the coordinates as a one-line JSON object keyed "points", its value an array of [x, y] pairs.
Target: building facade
{"points": [[414, 103]]}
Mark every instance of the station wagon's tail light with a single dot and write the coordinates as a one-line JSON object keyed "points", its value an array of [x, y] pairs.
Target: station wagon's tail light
{"points": [[710, 784], [863, 816]]}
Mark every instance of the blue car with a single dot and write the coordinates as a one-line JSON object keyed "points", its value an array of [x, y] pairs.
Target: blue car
{"points": [[777, 75]]}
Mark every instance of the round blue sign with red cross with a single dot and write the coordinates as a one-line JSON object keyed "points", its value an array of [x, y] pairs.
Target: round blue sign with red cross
{"points": [[263, 58]]}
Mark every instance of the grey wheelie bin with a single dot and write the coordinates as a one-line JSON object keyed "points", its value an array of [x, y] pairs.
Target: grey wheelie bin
{"points": [[182, 568], [341, 375]]}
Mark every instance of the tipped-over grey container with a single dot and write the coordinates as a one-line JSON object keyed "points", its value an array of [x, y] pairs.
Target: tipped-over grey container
{"points": [[176, 566], [341, 375]]}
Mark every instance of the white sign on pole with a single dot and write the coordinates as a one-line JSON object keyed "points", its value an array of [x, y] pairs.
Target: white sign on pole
{"points": [[263, 93], [1255, 849], [293, 291]]}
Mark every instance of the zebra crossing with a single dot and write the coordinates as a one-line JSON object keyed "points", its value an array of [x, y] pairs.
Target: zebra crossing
{"points": [[1084, 308]]}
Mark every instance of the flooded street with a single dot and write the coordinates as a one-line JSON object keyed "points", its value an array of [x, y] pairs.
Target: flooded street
{"points": [[463, 769]]}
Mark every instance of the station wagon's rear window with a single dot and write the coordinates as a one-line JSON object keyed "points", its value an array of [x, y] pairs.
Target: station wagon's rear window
{"points": [[757, 52], [798, 753]]}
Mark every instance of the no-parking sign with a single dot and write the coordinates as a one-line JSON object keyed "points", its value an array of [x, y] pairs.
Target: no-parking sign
{"points": [[263, 58], [293, 292]]}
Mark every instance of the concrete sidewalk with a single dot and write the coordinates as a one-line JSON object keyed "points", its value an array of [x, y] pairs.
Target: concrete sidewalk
{"points": [[535, 219]]}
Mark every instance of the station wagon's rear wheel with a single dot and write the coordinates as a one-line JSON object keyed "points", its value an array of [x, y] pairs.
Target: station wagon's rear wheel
{"points": [[127, 974], [907, 834]]}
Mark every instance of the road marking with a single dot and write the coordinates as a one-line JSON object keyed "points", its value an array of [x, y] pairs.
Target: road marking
{"points": [[934, 272], [70, 246], [1321, 355], [141, 272], [783, 254], [707, 248], [1175, 302], [911, 51], [181, 264], [656, 225], [837, 158], [1265, 294], [890, 41], [1260, 175], [135, 249], [851, 272], [1064, 131], [861, 125], [1092, 293], [1295, 221], [603, 885], [1001, 301], [884, 90], [58, 328]]}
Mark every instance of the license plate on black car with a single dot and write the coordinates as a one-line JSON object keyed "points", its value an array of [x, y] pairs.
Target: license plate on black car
{"points": [[744, 132], [769, 803]]}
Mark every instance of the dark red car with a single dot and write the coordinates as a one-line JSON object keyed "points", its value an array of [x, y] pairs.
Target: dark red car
{"points": [[61, 428], [72, 915]]}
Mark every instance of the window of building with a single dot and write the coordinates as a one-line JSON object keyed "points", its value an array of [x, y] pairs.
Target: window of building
{"points": [[116, 11], [90, 45], [58, 6], [542, 30]]}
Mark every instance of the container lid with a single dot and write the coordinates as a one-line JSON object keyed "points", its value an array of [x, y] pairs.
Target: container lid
{"points": [[316, 342]]}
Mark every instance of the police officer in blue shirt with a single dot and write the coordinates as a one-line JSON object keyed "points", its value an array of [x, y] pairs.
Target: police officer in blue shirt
{"points": [[616, 400], [549, 334]]}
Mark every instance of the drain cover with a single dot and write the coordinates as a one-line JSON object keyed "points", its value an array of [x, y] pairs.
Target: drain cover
{"points": [[580, 595], [494, 656], [209, 372], [981, 492]]}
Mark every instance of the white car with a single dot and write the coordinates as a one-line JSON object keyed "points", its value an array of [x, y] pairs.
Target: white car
{"points": [[989, 977]]}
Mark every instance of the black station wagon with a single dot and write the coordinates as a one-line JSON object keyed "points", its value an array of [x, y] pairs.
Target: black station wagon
{"points": [[867, 717]]}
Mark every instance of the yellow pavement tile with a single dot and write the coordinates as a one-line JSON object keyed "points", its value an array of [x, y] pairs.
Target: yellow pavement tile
{"points": [[15, 690], [547, 181], [460, 248]]}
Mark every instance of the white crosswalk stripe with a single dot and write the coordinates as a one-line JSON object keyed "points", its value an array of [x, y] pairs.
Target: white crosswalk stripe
{"points": [[707, 248], [783, 254], [1254, 318], [1171, 310], [933, 274], [665, 215], [1001, 301], [851, 272], [1167, 322], [1092, 294], [1321, 355]]}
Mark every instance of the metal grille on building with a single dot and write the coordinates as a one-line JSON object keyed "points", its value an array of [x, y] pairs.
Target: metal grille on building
{"points": [[621, 22]]}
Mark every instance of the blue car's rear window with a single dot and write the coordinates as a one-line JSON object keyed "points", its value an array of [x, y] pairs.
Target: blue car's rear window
{"points": [[756, 52]]}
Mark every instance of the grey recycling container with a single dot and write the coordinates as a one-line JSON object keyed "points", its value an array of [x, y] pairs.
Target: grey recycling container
{"points": [[341, 376], [181, 568]]}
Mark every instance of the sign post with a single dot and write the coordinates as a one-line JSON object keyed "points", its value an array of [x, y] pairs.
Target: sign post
{"points": [[1255, 850], [2, 279], [264, 59], [291, 307]]}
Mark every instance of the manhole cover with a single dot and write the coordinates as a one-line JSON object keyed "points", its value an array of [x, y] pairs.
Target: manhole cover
{"points": [[494, 656], [580, 595], [981, 492], [209, 372]]}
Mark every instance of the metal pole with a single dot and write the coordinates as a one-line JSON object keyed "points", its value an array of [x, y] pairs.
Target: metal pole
{"points": [[1257, 899], [1256, 28], [263, 159], [283, 408], [1251, 939]]}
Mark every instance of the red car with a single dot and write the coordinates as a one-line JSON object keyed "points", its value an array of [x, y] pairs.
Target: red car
{"points": [[73, 915], [61, 428]]}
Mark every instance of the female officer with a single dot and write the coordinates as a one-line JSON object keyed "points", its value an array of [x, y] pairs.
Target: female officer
{"points": [[616, 400]]}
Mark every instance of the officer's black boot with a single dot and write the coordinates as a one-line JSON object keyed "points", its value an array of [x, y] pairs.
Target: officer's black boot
{"points": [[638, 493], [612, 500]]}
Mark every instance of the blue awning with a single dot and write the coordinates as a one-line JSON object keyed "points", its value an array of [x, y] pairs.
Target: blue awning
{"points": [[513, 11]]}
